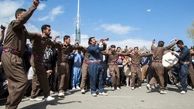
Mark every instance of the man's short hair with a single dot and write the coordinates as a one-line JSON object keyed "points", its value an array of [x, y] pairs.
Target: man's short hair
{"points": [[136, 48], [118, 47], [180, 42], [44, 27], [113, 46], [19, 11], [160, 43], [66, 37], [89, 40]]}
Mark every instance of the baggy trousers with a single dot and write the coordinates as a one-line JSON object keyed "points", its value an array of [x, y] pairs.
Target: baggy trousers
{"points": [[39, 80], [64, 76], [183, 75], [135, 74], [191, 74], [159, 70], [96, 77], [114, 70], [84, 71], [17, 79], [144, 71]]}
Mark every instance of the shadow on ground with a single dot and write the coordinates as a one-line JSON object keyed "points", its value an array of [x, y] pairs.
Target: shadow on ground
{"points": [[43, 105]]}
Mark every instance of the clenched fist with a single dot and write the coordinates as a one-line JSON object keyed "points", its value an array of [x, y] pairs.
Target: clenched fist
{"points": [[36, 3]]}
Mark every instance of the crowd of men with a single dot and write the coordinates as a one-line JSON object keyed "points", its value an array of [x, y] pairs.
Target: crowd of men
{"points": [[48, 66]]}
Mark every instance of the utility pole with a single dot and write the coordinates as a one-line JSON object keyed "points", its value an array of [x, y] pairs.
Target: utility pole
{"points": [[77, 30]]}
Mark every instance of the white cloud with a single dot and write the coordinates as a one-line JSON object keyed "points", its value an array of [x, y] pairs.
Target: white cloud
{"points": [[52, 14], [83, 36], [44, 18], [8, 8], [132, 43], [118, 28], [55, 33], [120, 43], [149, 10], [32, 28], [57, 10], [41, 6]]}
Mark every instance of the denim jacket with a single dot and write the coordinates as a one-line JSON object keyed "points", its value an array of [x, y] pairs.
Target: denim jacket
{"points": [[95, 52]]}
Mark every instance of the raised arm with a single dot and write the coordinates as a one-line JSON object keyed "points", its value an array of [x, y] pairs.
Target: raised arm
{"points": [[20, 22], [33, 36], [126, 54], [106, 52], [104, 46], [171, 44]]}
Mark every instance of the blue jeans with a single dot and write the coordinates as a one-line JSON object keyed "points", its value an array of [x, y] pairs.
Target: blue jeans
{"points": [[183, 75], [76, 76], [96, 72]]}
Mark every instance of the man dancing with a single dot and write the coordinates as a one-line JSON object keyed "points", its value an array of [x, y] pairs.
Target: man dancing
{"points": [[157, 66], [12, 56], [39, 44]]}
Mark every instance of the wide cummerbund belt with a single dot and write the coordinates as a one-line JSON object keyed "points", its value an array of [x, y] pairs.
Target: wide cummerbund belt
{"points": [[12, 51]]}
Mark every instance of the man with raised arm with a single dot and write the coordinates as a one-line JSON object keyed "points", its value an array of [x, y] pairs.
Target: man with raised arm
{"points": [[95, 67], [39, 44], [157, 66], [12, 56]]}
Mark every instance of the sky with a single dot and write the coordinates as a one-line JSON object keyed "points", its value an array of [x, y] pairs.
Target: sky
{"points": [[124, 22]]}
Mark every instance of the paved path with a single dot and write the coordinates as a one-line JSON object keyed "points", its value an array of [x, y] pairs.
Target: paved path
{"points": [[119, 99]]}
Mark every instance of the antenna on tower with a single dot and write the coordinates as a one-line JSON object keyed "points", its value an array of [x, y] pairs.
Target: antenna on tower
{"points": [[77, 30]]}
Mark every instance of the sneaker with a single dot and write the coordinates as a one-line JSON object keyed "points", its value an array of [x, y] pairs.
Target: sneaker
{"points": [[163, 92], [132, 88], [94, 95], [49, 98], [103, 94], [118, 88], [112, 88], [73, 88], [52, 92], [77, 87], [83, 91], [139, 87], [148, 87], [35, 99], [61, 94], [183, 92], [177, 85]]}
